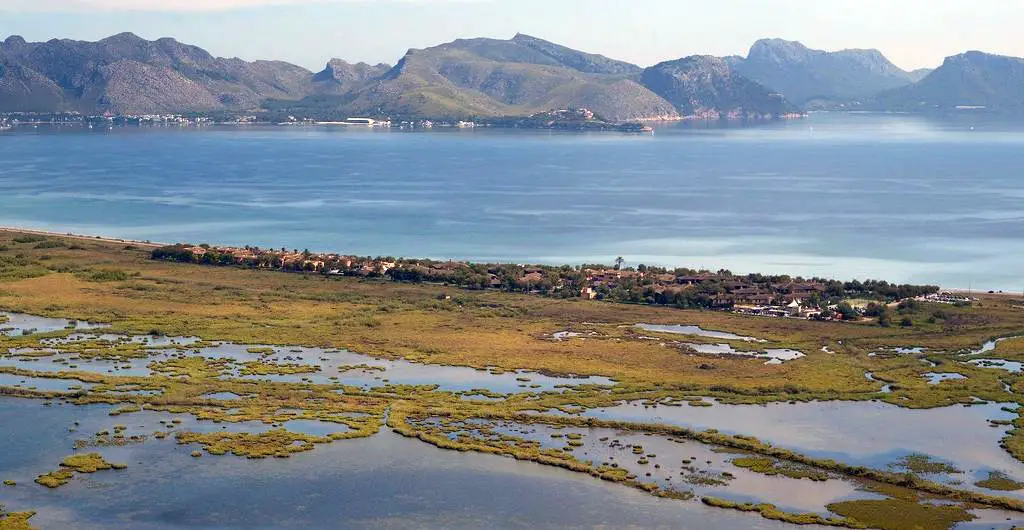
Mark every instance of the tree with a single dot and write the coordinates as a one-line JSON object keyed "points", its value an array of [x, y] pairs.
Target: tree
{"points": [[908, 306], [847, 311], [885, 319], [874, 310], [618, 262]]}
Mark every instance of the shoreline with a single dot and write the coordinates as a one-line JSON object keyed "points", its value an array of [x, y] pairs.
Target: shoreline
{"points": [[80, 237], [452, 122], [157, 244]]}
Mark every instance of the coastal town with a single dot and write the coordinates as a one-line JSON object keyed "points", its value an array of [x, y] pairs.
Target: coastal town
{"points": [[580, 119], [753, 294]]}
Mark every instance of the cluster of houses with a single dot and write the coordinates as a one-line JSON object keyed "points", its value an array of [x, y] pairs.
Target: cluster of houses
{"points": [[107, 119], [786, 298], [333, 264], [773, 296]]}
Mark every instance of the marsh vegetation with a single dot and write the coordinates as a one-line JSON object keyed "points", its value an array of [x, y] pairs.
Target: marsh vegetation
{"points": [[257, 364]]}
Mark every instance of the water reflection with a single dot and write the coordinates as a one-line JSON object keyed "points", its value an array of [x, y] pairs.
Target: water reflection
{"points": [[42, 384], [383, 481], [1009, 366], [863, 433], [22, 324], [696, 331], [323, 366], [935, 378], [774, 356]]}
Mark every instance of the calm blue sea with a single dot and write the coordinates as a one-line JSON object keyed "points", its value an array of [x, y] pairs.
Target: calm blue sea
{"points": [[902, 198]]}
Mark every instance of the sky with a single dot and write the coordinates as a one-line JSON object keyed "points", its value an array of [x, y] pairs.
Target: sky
{"points": [[912, 33]]}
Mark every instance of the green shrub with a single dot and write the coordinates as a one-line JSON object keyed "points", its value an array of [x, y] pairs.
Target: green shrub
{"points": [[28, 238], [106, 276]]}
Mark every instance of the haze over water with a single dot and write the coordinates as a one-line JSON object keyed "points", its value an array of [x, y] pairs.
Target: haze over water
{"points": [[900, 198]]}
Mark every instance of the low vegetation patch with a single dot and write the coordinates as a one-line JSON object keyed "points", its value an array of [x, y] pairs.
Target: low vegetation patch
{"points": [[899, 514], [83, 463], [769, 511], [770, 466], [15, 520], [105, 276], [919, 463], [999, 481]]}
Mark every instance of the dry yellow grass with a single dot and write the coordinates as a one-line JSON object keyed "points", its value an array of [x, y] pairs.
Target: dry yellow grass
{"points": [[477, 328]]}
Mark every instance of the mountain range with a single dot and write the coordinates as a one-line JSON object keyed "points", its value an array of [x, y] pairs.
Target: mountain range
{"points": [[526, 75], [804, 75], [125, 74]]}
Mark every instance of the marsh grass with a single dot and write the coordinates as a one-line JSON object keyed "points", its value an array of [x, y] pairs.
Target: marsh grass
{"points": [[15, 520], [105, 275], [499, 332], [769, 511], [25, 239], [898, 514], [769, 466], [82, 463], [1000, 481], [920, 463]]}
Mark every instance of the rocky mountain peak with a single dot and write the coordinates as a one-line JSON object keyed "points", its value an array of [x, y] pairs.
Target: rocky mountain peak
{"points": [[14, 41], [779, 51]]}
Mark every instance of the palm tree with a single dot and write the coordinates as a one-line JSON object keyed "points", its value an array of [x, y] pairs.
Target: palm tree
{"points": [[618, 262]]}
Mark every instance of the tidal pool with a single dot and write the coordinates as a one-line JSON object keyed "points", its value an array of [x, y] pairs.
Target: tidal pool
{"points": [[332, 366], [697, 332], [886, 388], [992, 344], [863, 433], [62, 363], [22, 324], [354, 369], [155, 341], [774, 356], [382, 481], [43, 384], [1009, 366], [222, 396], [683, 465], [935, 378]]}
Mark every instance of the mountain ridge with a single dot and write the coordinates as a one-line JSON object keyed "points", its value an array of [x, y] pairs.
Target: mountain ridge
{"points": [[707, 86], [974, 79], [804, 74], [486, 77], [127, 74]]}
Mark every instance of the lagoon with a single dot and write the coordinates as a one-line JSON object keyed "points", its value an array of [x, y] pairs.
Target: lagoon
{"points": [[382, 481]]}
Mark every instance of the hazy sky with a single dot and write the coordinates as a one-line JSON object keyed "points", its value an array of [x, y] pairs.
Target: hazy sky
{"points": [[912, 33]]}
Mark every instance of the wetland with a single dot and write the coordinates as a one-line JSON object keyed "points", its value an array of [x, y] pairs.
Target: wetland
{"points": [[170, 395]]}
